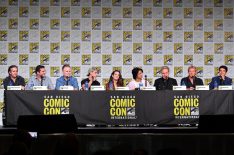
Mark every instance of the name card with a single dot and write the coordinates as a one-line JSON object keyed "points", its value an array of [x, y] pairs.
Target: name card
{"points": [[206, 87], [225, 87], [66, 88], [40, 88], [179, 87], [97, 88], [121, 88], [14, 88], [148, 88]]}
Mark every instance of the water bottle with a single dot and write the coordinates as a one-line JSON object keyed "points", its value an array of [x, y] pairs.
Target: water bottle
{"points": [[86, 85], [215, 85], [182, 84], [140, 85]]}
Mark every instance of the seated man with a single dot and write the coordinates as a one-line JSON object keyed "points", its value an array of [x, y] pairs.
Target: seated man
{"points": [[191, 81], [13, 79], [222, 79], [91, 80], [40, 79], [66, 79], [165, 82]]}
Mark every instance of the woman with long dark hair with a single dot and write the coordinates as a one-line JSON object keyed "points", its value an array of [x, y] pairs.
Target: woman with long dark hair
{"points": [[115, 80]]}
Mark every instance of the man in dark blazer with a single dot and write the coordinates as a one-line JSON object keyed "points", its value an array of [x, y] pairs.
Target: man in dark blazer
{"points": [[222, 79], [165, 82], [191, 81]]}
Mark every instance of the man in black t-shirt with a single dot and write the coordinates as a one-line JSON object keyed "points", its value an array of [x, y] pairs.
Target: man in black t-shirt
{"points": [[91, 80], [13, 79], [165, 82]]}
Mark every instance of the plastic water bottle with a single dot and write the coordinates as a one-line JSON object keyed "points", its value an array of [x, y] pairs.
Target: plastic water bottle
{"points": [[215, 85], [140, 85], [86, 85], [182, 84]]}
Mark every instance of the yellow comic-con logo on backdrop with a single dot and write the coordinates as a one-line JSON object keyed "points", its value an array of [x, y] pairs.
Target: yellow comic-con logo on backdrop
{"points": [[54, 71]]}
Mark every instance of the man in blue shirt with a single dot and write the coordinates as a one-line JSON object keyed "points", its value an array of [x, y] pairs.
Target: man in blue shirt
{"points": [[222, 79], [66, 79], [40, 79]]}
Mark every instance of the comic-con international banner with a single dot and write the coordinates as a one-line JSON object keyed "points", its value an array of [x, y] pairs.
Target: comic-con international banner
{"points": [[120, 108]]}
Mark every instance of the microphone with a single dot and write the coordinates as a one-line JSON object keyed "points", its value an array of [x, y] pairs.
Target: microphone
{"points": [[67, 80], [221, 80], [42, 80], [145, 80]]}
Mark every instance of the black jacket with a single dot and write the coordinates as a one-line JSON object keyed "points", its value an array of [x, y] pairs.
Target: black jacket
{"points": [[9, 82], [188, 83], [162, 84]]}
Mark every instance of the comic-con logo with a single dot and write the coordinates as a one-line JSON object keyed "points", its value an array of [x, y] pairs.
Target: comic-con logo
{"points": [[178, 48], [86, 59], [44, 12], [3, 35], [23, 12], [168, 36], [76, 71], [168, 59], [198, 48], [147, 12], [127, 36], [13, 23], [137, 47], [13, 47], [65, 12], [158, 48], [178, 24], [188, 59], [122, 107], [186, 107], [54, 47], [148, 60], [3, 59], [3, 11], [157, 72], [208, 36], [127, 59], [65, 36], [127, 12], [65, 59], [96, 47], [54, 24], [96, 24], [229, 59], [44, 59], [75, 47], [106, 12], [56, 105], [198, 24], [34, 24], [117, 47], [117, 24], [209, 59], [178, 71], [86, 12], [106, 59], [147, 36], [54, 71], [23, 59], [106, 36], [167, 12]]}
